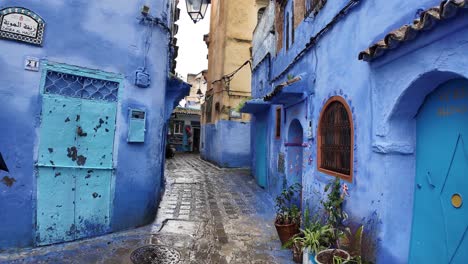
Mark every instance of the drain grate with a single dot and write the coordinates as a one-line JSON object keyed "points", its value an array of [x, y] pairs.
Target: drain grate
{"points": [[155, 254]]}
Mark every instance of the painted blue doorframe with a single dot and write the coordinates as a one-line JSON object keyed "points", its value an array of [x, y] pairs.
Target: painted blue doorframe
{"points": [[440, 220], [261, 150], [75, 156]]}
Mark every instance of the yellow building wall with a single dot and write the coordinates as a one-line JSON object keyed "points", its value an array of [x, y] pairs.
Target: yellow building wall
{"points": [[231, 28]]}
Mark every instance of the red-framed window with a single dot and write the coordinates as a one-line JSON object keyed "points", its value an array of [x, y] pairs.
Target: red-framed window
{"points": [[335, 141]]}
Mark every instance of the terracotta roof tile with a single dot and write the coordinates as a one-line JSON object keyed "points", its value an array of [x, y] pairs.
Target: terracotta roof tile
{"points": [[280, 87], [427, 20]]}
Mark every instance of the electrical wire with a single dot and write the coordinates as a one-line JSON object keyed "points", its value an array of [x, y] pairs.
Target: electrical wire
{"points": [[231, 75]]}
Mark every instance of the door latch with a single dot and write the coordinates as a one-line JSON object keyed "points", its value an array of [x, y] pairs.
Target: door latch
{"points": [[429, 180]]}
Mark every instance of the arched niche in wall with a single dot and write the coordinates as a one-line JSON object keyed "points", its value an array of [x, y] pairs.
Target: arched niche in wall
{"points": [[396, 132], [295, 154]]}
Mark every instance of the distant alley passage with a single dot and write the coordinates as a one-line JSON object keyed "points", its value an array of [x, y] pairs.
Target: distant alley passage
{"points": [[209, 215]]}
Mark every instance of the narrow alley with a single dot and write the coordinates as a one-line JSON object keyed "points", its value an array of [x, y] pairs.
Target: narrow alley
{"points": [[207, 215], [233, 131]]}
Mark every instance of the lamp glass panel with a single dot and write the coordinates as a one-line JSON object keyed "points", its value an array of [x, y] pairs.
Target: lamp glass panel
{"points": [[194, 5]]}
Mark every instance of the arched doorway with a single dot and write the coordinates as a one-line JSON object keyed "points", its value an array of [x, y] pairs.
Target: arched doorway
{"points": [[440, 214], [295, 153]]}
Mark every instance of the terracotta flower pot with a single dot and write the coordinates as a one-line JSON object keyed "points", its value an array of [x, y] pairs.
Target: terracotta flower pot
{"points": [[297, 252], [326, 256], [286, 232]]}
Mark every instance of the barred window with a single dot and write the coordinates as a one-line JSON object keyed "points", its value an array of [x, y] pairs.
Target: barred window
{"points": [[314, 6], [335, 139], [80, 86]]}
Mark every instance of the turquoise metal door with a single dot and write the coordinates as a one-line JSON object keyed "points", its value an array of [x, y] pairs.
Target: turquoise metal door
{"points": [[93, 180], [440, 220], [261, 151], [75, 168], [56, 175]]}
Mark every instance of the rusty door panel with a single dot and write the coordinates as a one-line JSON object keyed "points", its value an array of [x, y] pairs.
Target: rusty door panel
{"points": [[96, 141], [74, 168], [56, 140], [93, 203], [92, 207], [55, 179], [55, 205]]}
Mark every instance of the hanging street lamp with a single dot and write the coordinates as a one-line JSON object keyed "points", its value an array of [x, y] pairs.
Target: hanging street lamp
{"points": [[197, 9]]}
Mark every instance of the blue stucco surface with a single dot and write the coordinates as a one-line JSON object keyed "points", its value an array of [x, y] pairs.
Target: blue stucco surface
{"points": [[384, 97], [226, 143], [104, 35]]}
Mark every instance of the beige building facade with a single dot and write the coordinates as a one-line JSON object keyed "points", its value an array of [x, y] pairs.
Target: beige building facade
{"points": [[229, 58], [225, 131], [198, 90]]}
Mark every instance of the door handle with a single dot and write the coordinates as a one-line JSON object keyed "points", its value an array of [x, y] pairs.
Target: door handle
{"points": [[429, 180]]}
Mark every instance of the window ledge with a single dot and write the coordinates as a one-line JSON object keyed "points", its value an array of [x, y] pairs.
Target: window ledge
{"points": [[345, 177]]}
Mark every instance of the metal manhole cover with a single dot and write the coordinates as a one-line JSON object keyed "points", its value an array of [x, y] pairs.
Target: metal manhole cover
{"points": [[155, 254]]}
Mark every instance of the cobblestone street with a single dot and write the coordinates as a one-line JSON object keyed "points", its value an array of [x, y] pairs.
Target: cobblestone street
{"points": [[209, 215]]}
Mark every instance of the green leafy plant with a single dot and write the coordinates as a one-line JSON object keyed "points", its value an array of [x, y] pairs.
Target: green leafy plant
{"points": [[333, 207], [242, 103], [338, 260], [315, 237], [334, 203], [307, 221], [318, 238], [286, 211]]}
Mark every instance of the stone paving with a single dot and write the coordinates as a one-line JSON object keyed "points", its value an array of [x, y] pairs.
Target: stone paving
{"points": [[210, 215]]}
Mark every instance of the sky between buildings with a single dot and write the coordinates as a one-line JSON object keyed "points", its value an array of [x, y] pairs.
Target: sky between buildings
{"points": [[192, 48]]}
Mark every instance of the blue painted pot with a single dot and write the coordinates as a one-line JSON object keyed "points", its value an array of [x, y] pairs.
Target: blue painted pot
{"points": [[312, 259], [308, 257]]}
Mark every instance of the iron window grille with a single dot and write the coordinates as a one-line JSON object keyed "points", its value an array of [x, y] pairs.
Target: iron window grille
{"points": [[335, 140], [314, 6], [67, 84]]}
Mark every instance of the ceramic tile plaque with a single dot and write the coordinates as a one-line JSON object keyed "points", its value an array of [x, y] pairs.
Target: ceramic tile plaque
{"points": [[21, 24]]}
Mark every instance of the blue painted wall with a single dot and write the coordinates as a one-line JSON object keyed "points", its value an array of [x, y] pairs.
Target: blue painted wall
{"points": [[384, 96], [104, 35], [226, 143]]}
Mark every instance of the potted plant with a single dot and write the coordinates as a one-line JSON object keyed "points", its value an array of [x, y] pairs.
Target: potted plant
{"points": [[314, 237], [335, 216], [332, 256], [297, 245], [288, 216], [317, 237], [352, 243]]}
